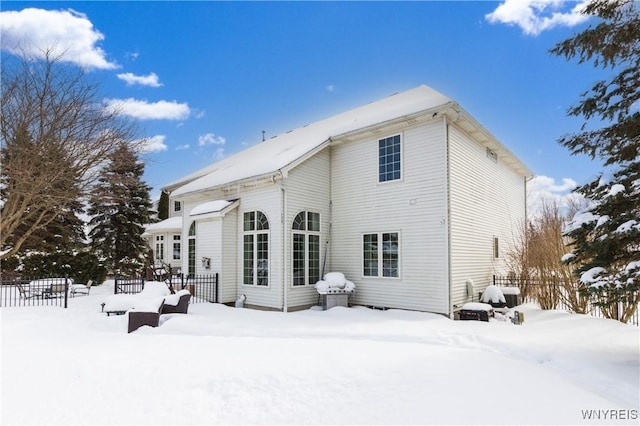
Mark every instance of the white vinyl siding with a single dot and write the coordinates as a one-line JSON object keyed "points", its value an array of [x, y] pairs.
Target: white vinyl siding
{"points": [[487, 209], [307, 189], [415, 208]]}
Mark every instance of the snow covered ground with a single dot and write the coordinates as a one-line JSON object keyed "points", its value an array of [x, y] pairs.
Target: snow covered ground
{"points": [[221, 365]]}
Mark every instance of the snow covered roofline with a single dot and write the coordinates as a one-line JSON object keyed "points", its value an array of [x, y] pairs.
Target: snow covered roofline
{"points": [[283, 152], [170, 224]]}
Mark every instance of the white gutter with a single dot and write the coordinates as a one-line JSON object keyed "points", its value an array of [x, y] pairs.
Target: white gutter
{"points": [[285, 285], [448, 216]]}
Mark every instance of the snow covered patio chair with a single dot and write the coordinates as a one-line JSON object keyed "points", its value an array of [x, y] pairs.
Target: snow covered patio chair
{"points": [[80, 288], [176, 303], [147, 313]]}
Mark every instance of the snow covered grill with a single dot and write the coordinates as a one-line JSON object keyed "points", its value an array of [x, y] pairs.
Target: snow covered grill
{"points": [[334, 290]]}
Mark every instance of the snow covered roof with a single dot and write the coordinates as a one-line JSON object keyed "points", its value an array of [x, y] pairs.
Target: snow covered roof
{"points": [[282, 150], [170, 224], [286, 149], [212, 209]]}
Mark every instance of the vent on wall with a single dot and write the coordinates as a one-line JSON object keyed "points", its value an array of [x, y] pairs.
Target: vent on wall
{"points": [[491, 155]]}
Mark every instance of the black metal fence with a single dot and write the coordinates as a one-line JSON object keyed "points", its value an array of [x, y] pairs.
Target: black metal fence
{"points": [[41, 292], [203, 288], [557, 295]]}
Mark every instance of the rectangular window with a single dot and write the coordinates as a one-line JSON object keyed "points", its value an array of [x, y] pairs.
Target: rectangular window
{"points": [[390, 255], [263, 259], [176, 247], [370, 252], [160, 247], [192, 257], [299, 251], [177, 206], [496, 248], [314, 258], [248, 260], [388, 251], [389, 159]]}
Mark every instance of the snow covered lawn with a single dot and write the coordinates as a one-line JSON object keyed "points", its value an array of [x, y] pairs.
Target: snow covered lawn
{"points": [[221, 365]]}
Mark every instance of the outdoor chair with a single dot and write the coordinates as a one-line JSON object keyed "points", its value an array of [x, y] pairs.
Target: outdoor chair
{"points": [[25, 292], [145, 315], [177, 303], [81, 288]]}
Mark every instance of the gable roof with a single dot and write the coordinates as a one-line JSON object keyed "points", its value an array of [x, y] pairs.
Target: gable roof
{"points": [[281, 151]]}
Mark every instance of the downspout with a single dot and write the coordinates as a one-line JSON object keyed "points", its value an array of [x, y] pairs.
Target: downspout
{"points": [[448, 216], [285, 286]]}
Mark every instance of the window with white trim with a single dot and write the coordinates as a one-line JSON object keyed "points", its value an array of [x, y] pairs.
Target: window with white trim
{"points": [[177, 206], [176, 247], [389, 159], [191, 250], [306, 248], [255, 249], [381, 255], [160, 247]]}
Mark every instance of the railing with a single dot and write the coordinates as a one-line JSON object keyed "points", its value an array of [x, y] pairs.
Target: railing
{"points": [[40, 292], [557, 296], [203, 288]]}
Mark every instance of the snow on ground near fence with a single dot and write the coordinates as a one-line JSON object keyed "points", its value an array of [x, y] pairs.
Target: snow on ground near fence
{"points": [[221, 365]]}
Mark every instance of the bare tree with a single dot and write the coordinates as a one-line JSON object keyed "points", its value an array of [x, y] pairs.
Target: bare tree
{"points": [[54, 134], [537, 260]]}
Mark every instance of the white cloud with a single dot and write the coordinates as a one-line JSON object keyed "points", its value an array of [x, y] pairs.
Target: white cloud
{"points": [[219, 154], [153, 144], [330, 88], [143, 110], [182, 147], [211, 139], [535, 16], [544, 189], [32, 32], [150, 80]]}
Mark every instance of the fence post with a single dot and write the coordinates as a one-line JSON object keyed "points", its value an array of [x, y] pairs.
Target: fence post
{"points": [[216, 289], [66, 290]]}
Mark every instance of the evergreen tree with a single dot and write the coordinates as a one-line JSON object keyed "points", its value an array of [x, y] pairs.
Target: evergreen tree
{"points": [[163, 206], [120, 206], [607, 234]]}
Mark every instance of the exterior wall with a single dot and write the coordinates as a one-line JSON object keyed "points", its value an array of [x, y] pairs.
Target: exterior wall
{"points": [[228, 248], [267, 199], [487, 200], [307, 189], [221, 240], [415, 207]]}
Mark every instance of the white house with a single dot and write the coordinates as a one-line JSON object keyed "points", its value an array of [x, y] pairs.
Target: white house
{"points": [[409, 197]]}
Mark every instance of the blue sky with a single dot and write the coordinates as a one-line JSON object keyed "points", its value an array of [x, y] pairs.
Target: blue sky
{"points": [[204, 79]]}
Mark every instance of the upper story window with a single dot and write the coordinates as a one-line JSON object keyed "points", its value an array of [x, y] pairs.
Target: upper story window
{"points": [[255, 249], [389, 159], [306, 248], [177, 206]]}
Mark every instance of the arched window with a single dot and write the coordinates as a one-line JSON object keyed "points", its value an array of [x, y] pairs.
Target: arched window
{"points": [[255, 243], [306, 248], [191, 270]]}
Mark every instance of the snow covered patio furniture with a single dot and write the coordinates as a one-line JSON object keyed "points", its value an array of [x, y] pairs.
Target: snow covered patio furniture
{"points": [[475, 311], [176, 303], [119, 304], [334, 290], [80, 288], [147, 313], [493, 296]]}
